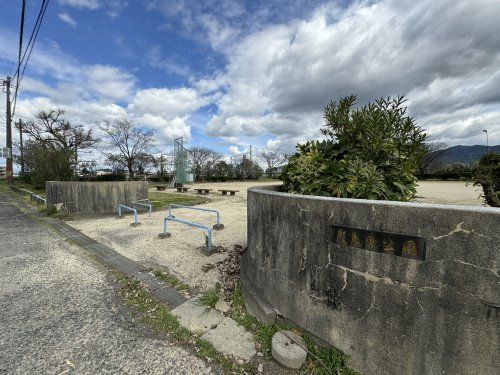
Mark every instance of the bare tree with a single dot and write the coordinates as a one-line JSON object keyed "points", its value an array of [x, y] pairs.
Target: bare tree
{"points": [[129, 146], [431, 161], [55, 132], [272, 160], [203, 161]]}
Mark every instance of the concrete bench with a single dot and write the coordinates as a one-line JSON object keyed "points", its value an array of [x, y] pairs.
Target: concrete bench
{"points": [[182, 189], [225, 191], [203, 191], [160, 187]]}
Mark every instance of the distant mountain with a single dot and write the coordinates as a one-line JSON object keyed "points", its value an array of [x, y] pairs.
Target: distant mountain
{"points": [[465, 154]]}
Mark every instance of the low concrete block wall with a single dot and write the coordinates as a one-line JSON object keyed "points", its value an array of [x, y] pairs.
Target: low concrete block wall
{"points": [[89, 198], [402, 288]]}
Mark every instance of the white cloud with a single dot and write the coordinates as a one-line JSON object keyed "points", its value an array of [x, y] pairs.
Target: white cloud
{"points": [[81, 4], [169, 129], [442, 54], [115, 7], [167, 102], [65, 17], [109, 81]]}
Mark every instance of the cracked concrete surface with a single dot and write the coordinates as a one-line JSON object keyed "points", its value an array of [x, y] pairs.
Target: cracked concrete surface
{"points": [[60, 312]]}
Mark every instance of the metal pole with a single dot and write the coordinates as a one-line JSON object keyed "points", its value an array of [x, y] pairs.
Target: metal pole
{"points": [[8, 169], [487, 141], [21, 145]]}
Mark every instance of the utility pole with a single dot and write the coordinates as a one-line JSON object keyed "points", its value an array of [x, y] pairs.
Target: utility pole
{"points": [[487, 141], [8, 169], [21, 145], [161, 165], [250, 152]]}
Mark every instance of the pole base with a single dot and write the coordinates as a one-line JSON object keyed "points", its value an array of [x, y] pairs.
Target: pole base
{"points": [[164, 235], [135, 224], [218, 226]]}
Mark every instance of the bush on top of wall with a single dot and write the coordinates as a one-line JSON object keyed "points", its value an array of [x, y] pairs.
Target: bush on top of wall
{"points": [[371, 152]]}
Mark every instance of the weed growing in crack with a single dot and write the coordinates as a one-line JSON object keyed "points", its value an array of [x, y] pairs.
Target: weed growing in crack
{"points": [[210, 298]]}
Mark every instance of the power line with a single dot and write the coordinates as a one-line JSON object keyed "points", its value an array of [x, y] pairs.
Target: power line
{"points": [[29, 47], [21, 33], [31, 36]]}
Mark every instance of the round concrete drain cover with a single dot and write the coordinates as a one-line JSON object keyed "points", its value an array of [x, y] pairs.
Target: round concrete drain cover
{"points": [[285, 350]]}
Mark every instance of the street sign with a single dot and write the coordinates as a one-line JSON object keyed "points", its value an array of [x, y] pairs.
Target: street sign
{"points": [[5, 152]]}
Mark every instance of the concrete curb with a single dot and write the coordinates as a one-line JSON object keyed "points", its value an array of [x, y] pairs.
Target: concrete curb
{"points": [[168, 295]]}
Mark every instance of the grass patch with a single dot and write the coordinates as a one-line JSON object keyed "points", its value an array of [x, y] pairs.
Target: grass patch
{"points": [[52, 211], [22, 185], [210, 298], [263, 333], [162, 200], [320, 360], [171, 280], [157, 316]]}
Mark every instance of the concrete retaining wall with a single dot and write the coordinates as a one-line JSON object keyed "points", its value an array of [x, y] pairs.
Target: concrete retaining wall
{"points": [[402, 288], [89, 198]]}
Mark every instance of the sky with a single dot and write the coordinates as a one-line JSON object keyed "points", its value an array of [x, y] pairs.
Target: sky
{"points": [[229, 74]]}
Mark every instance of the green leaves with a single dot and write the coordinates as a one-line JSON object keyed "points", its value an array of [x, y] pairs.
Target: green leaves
{"points": [[372, 152], [487, 174]]}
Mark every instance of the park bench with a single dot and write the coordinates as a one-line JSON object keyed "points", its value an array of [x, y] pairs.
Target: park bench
{"points": [[160, 187], [181, 189], [225, 191], [203, 191]]}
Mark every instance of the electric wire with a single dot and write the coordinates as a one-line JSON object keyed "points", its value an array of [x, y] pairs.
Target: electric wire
{"points": [[29, 48]]}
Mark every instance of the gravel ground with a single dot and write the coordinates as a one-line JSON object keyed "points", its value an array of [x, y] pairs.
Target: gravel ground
{"points": [[181, 253], [60, 312], [449, 192]]}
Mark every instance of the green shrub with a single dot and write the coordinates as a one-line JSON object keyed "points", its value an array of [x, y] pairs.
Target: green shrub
{"points": [[371, 152], [487, 174]]}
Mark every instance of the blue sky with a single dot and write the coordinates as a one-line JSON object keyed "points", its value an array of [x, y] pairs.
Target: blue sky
{"points": [[227, 74]]}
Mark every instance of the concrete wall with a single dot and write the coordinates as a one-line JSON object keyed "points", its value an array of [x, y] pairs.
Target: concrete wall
{"points": [[89, 198], [402, 288]]}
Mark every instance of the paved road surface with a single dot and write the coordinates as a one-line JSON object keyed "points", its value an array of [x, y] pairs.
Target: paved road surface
{"points": [[60, 313]]}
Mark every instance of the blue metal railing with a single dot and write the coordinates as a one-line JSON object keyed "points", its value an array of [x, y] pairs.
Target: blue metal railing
{"points": [[150, 206], [218, 225], [190, 223], [121, 206]]}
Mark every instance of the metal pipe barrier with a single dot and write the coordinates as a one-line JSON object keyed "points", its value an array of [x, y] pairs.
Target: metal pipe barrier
{"points": [[38, 198], [166, 234], [24, 191], [216, 226], [121, 206], [150, 206], [33, 197]]}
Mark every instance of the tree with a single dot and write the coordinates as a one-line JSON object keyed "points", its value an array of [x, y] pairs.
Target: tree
{"points": [[50, 152], [129, 146], [487, 174], [371, 152], [44, 162], [222, 171], [272, 160], [54, 131], [202, 161], [431, 161], [248, 170]]}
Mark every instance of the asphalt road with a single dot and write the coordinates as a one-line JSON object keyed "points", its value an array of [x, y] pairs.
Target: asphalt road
{"points": [[60, 312]]}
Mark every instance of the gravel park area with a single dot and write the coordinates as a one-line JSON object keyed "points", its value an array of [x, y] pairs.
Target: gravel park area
{"points": [[181, 254]]}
